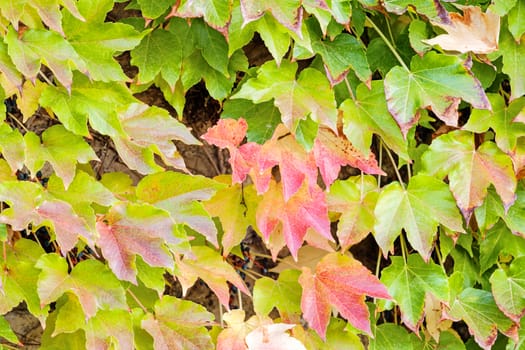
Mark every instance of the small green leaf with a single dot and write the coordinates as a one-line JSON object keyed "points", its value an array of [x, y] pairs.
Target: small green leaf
{"points": [[499, 241], [409, 282], [283, 294], [515, 216], [6, 332], [288, 13], [428, 8], [390, 336], [6, 65], [69, 314], [436, 81], [12, 147], [515, 18], [274, 36], [154, 9], [418, 31], [513, 56], [426, 203], [109, 328], [481, 314], [508, 288]]}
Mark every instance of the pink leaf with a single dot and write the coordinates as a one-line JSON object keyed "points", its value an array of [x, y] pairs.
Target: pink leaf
{"points": [[273, 337], [228, 133]]}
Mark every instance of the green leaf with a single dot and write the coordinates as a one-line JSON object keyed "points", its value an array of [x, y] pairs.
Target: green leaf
{"points": [[410, 282], [160, 52], [180, 195], [62, 149], [342, 54], [426, 203], [216, 13], [179, 324], [428, 8], [143, 138], [12, 147], [98, 43], [488, 213], [513, 55], [97, 101], [7, 67], [38, 46], [288, 13], [109, 328], [213, 46], [500, 120], [508, 288], [263, 118], [23, 198], [283, 294], [154, 9], [515, 18], [239, 33], [308, 95], [515, 216], [51, 341], [390, 336], [499, 241], [355, 198], [368, 115], [69, 314], [436, 81], [418, 31], [92, 282], [479, 311], [131, 229], [274, 36], [6, 332], [470, 171], [19, 278]]}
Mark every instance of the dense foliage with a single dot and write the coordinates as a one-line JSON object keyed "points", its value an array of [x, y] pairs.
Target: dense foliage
{"points": [[399, 123]]}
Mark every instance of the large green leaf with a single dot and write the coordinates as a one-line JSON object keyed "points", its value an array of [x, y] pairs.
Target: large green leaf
{"points": [[62, 149], [500, 120], [38, 47], [216, 13], [102, 292], [508, 288], [515, 18], [513, 55], [179, 324], [436, 81], [390, 336], [283, 294], [470, 171], [409, 282], [426, 203], [481, 314], [368, 115], [288, 13], [310, 94], [153, 9], [274, 36], [23, 198]]}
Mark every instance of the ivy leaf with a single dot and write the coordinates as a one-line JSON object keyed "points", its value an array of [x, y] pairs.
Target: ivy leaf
{"points": [[288, 13], [283, 294], [144, 138], [342, 54], [96, 101], [7, 66], [481, 314], [306, 209], [419, 209], [12, 147], [273, 336], [179, 324], [409, 282], [429, 8], [508, 287], [154, 9], [228, 133], [499, 241], [389, 336], [212, 269], [19, 278], [470, 171], [368, 115], [473, 31], [108, 328], [213, 46], [23, 198], [435, 81], [179, 194], [355, 199], [342, 282], [66, 224], [216, 13], [274, 35], [235, 207], [62, 149], [516, 26], [332, 151], [515, 215], [7, 333], [263, 118], [152, 57], [103, 292], [38, 46], [97, 42], [296, 99], [513, 53], [135, 229], [501, 120]]}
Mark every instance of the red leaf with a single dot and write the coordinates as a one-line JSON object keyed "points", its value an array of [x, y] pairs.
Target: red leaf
{"points": [[228, 133], [332, 151], [342, 282], [134, 229], [306, 209]]}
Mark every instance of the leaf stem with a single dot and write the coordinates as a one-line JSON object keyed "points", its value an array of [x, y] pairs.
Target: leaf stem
{"points": [[380, 164], [10, 115], [378, 262], [388, 43], [404, 250], [137, 301], [349, 88], [394, 164]]}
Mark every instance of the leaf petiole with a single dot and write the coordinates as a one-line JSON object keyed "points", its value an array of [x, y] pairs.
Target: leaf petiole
{"points": [[388, 43]]}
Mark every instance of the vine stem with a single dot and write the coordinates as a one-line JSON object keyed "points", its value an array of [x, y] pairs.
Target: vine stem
{"points": [[388, 43], [394, 164], [137, 301]]}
